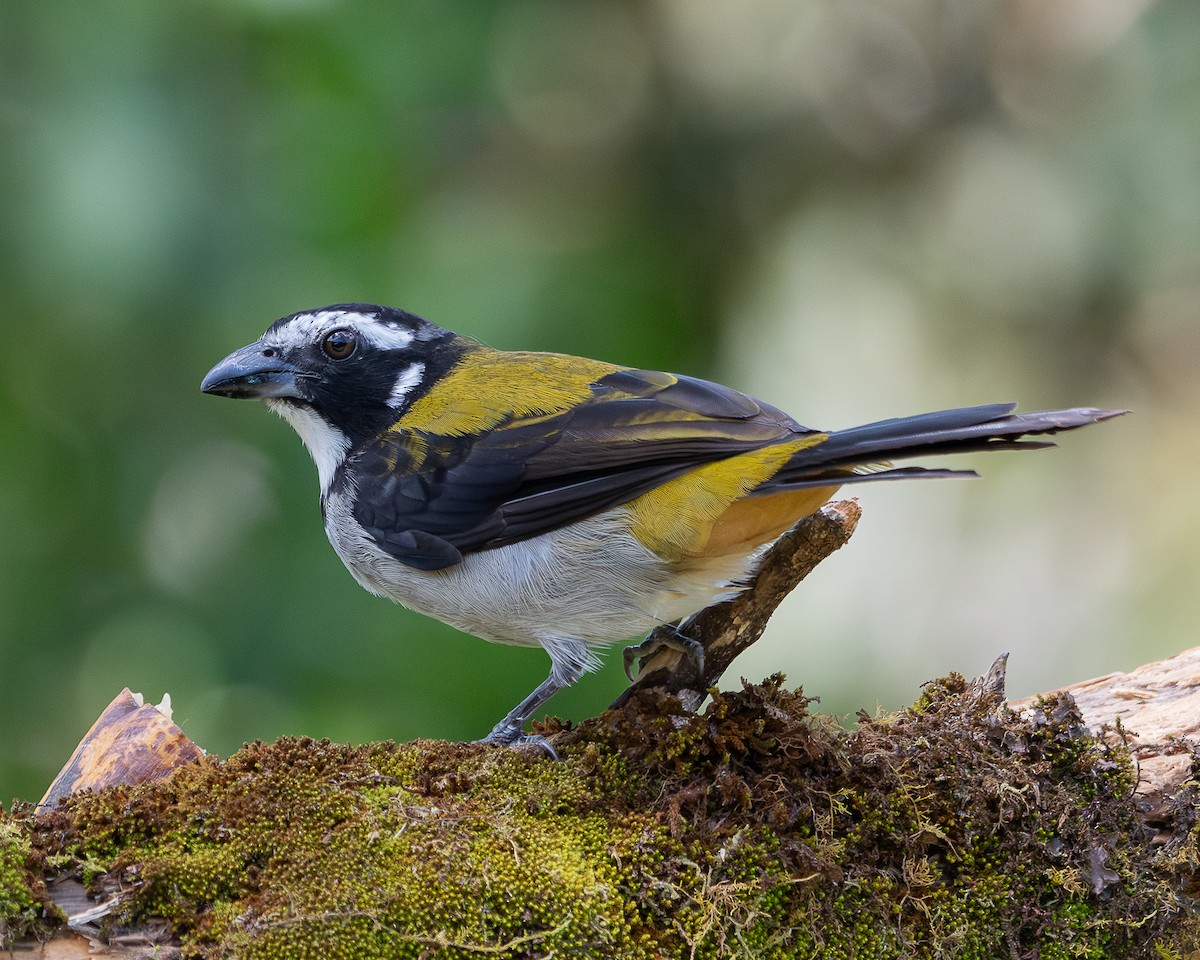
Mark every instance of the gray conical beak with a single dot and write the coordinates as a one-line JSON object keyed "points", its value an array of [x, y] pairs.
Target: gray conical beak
{"points": [[255, 371]]}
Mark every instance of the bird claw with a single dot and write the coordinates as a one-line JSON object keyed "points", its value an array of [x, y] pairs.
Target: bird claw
{"points": [[522, 741], [664, 639], [535, 741], [630, 655]]}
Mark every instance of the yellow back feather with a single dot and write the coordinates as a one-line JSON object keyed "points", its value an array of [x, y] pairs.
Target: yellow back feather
{"points": [[488, 387]]}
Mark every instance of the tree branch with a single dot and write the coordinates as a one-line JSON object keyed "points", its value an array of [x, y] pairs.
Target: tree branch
{"points": [[726, 629]]}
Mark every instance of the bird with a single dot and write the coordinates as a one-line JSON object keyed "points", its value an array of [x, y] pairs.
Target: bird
{"points": [[542, 499]]}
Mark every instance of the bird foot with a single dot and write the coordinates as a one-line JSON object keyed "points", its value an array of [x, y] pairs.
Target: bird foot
{"points": [[658, 640], [506, 736]]}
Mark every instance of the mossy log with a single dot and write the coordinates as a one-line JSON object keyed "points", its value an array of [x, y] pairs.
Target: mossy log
{"points": [[962, 827]]}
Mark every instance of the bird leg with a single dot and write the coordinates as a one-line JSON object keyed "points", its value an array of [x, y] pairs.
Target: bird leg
{"points": [[665, 637], [509, 731]]}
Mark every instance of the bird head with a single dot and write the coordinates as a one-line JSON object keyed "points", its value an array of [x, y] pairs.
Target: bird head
{"points": [[339, 375]]}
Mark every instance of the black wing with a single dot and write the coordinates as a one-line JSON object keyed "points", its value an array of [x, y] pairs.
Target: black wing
{"points": [[427, 499]]}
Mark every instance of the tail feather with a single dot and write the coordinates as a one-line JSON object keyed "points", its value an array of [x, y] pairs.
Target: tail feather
{"points": [[840, 476], [962, 430]]}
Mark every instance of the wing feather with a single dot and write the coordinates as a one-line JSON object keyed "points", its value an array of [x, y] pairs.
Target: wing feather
{"points": [[534, 471]]}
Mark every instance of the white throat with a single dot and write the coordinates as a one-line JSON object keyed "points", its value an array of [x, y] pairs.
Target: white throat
{"points": [[326, 444]]}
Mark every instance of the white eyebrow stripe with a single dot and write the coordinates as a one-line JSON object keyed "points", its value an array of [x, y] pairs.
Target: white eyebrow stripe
{"points": [[409, 378], [386, 336], [302, 329], [310, 327]]}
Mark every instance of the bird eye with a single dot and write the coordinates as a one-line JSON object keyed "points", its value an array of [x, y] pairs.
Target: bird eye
{"points": [[339, 344]]}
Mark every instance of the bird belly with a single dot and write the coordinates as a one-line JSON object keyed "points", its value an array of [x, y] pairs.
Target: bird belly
{"points": [[592, 583]]}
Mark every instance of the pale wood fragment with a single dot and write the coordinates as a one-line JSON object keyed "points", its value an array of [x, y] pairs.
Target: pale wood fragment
{"points": [[130, 742], [1157, 707]]}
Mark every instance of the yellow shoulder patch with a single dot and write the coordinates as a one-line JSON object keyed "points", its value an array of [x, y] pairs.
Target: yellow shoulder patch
{"points": [[488, 387]]}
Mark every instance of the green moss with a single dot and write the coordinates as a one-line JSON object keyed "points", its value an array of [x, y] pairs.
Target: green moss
{"points": [[23, 905], [955, 829]]}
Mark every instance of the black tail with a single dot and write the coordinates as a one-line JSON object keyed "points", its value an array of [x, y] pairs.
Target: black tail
{"points": [[963, 430]]}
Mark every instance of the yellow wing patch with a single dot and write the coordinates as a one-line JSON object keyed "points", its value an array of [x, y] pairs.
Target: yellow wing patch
{"points": [[488, 387], [677, 519]]}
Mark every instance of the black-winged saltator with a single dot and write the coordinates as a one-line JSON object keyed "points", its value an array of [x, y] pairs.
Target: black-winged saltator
{"points": [[547, 500]]}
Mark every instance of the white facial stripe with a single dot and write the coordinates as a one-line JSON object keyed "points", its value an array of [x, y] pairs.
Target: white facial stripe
{"points": [[384, 335], [302, 329], [408, 379], [326, 444], [310, 327]]}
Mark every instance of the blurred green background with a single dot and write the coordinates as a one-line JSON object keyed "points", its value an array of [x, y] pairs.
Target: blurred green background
{"points": [[852, 209]]}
